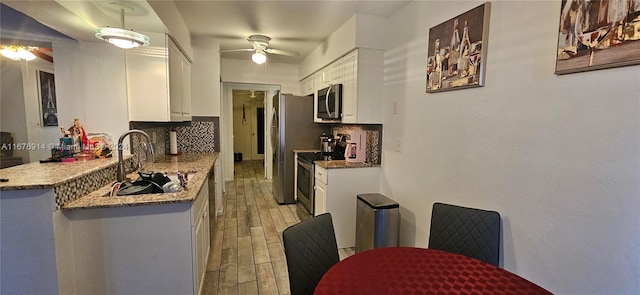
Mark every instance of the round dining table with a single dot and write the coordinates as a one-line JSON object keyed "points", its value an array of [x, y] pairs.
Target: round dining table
{"points": [[406, 270]]}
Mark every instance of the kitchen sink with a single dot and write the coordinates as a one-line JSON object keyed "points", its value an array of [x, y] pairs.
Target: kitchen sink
{"points": [[174, 176], [145, 185]]}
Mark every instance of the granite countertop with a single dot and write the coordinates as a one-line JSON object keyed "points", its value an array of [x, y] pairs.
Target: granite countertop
{"points": [[340, 164], [48, 175], [306, 150], [198, 163]]}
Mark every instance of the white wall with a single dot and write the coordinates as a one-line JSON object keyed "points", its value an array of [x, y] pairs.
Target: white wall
{"points": [[361, 31], [44, 138], [91, 86], [246, 71], [21, 114], [557, 156], [205, 77], [12, 112]]}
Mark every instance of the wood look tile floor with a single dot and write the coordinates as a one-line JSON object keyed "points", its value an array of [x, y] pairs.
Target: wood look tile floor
{"points": [[247, 256]]}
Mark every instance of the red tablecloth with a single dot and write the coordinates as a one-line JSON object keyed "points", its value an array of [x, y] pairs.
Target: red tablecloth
{"points": [[403, 270]]}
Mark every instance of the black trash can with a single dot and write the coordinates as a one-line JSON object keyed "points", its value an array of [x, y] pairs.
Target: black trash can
{"points": [[377, 222], [237, 157]]}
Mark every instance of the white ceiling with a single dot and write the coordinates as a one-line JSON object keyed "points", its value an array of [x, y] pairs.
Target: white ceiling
{"points": [[298, 26]]}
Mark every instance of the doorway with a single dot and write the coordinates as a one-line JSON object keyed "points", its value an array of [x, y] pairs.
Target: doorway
{"points": [[257, 109], [248, 124]]}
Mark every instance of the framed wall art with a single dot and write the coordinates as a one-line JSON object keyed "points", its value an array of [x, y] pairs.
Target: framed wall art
{"points": [[457, 51], [48, 102], [598, 34]]}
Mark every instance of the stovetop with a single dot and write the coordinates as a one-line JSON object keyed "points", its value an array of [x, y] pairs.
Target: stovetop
{"points": [[320, 156]]}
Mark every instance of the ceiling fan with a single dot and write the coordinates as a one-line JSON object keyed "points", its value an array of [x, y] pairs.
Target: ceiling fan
{"points": [[260, 48], [28, 53]]}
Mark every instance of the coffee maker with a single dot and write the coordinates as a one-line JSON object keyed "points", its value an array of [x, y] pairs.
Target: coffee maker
{"points": [[327, 144], [355, 146]]}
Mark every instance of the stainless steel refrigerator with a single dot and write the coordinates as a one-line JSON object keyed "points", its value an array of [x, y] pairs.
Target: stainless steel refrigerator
{"points": [[292, 128]]}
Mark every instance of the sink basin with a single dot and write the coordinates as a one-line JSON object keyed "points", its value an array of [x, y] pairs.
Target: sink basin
{"points": [[142, 186], [174, 176]]}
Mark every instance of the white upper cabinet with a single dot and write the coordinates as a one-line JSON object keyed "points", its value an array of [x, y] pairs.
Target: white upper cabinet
{"points": [[158, 83], [362, 87], [332, 74], [361, 74], [307, 86]]}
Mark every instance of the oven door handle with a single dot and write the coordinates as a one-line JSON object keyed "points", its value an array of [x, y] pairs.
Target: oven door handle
{"points": [[305, 165]]}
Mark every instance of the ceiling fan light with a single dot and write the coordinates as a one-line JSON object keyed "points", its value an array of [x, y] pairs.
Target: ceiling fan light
{"points": [[122, 38], [16, 52], [259, 57], [10, 52], [26, 54]]}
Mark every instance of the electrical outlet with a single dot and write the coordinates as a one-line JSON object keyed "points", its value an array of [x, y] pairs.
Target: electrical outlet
{"points": [[398, 145], [395, 108]]}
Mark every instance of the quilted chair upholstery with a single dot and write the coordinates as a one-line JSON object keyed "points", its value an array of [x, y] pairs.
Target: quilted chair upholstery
{"points": [[311, 249], [467, 231]]}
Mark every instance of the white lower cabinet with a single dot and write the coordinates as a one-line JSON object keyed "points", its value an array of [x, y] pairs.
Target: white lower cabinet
{"points": [[201, 239], [153, 249], [336, 191]]}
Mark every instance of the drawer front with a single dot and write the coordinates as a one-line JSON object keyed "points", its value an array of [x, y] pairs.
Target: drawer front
{"points": [[321, 174]]}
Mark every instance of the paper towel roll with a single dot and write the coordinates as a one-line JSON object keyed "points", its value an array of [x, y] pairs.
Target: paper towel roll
{"points": [[173, 143]]}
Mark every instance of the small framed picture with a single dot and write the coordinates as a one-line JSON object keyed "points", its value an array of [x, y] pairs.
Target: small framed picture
{"points": [[457, 51], [48, 102]]}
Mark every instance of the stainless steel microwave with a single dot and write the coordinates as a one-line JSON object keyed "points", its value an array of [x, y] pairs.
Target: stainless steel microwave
{"points": [[330, 102]]}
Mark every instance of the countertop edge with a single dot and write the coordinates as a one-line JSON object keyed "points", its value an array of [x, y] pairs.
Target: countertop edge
{"points": [[342, 164], [96, 165], [97, 199]]}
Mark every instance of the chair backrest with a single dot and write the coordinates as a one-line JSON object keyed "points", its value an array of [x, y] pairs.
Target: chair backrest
{"points": [[467, 231], [311, 249]]}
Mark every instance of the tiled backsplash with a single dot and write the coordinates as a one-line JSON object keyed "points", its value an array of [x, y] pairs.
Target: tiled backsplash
{"points": [[201, 135], [78, 187], [374, 139]]}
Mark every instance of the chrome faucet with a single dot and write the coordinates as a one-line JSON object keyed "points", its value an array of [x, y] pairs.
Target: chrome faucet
{"points": [[120, 173]]}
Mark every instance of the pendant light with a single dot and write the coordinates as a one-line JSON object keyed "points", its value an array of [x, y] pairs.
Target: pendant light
{"points": [[121, 37]]}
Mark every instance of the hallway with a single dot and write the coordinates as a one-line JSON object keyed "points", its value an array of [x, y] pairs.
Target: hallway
{"points": [[247, 255]]}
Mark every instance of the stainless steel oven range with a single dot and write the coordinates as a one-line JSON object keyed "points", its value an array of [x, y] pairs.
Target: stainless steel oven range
{"points": [[304, 188], [305, 184]]}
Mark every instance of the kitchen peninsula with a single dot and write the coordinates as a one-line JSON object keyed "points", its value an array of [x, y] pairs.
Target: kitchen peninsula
{"points": [[61, 235]]}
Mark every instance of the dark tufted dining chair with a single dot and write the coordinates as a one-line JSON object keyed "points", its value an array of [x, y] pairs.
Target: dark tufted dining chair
{"points": [[467, 231], [311, 249]]}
